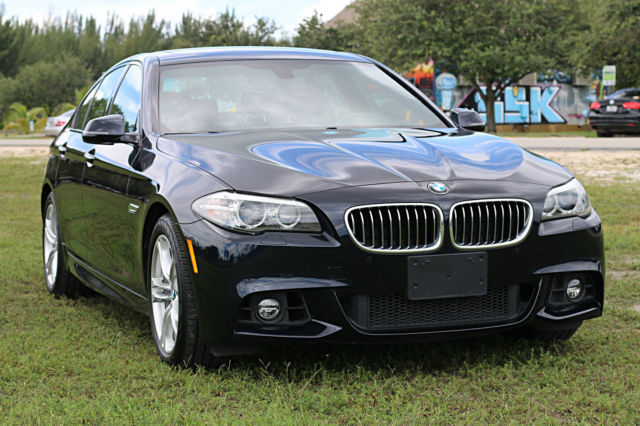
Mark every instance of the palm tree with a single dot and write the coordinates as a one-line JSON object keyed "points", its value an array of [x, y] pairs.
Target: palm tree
{"points": [[19, 117]]}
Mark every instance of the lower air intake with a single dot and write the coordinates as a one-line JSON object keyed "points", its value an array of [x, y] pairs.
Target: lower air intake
{"points": [[394, 312]]}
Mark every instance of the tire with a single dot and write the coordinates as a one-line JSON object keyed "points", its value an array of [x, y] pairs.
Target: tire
{"points": [[57, 277], [543, 335], [172, 311], [604, 134]]}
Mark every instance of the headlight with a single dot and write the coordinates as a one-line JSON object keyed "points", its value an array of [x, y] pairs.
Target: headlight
{"points": [[566, 200], [255, 214]]}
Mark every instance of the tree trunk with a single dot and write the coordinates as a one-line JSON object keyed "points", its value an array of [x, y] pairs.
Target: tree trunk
{"points": [[490, 103]]}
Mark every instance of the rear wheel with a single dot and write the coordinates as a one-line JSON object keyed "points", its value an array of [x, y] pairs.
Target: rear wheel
{"points": [[58, 279], [172, 310]]}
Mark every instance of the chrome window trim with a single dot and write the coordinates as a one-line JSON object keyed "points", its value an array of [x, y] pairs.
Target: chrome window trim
{"points": [[517, 240], [434, 247]]}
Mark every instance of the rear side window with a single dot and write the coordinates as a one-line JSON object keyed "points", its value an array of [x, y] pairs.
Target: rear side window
{"points": [[127, 100], [104, 94], [624, 94], [633, 94], [82, 111]]}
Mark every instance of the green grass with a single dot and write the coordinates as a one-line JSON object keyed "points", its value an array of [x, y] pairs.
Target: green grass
{"points": [[92, 360], [17, 136]]}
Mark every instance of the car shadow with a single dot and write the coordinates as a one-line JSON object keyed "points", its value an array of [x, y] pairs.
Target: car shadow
{"points": [[278, 362], [408, 358]]}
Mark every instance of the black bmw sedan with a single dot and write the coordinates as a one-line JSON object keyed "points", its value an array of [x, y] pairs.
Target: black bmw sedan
{"points": [[246, 197], [617, 113]]}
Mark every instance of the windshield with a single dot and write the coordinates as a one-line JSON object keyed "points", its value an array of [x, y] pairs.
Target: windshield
{"points": [[625, 93], [285, 94]]}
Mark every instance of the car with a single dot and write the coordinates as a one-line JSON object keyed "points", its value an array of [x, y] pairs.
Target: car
{"points": [[617, 113], [251, 197], [55, 124]]}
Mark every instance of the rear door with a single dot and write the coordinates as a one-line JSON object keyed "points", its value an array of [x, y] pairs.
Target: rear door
{"points": [[107, 174]]}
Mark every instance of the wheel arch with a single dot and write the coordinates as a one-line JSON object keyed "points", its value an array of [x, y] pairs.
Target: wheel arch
{"points": [[46, 190], [157, 208]]}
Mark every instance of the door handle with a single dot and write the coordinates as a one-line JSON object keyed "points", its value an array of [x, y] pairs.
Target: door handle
{"points": [[89, 156]]}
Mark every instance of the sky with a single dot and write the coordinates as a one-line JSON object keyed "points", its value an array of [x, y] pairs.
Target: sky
{"points": [[285, 13]]}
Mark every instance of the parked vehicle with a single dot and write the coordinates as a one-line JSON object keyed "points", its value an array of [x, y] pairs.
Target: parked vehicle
{"points": [[617, 113], [55, 124], [245, 197]]}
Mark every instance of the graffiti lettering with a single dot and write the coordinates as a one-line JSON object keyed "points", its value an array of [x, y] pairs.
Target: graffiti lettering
{"points": [[521, 105]]}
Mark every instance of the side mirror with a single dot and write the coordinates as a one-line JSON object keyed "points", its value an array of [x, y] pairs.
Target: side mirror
{"points": [[467, 119], [107, 129]]}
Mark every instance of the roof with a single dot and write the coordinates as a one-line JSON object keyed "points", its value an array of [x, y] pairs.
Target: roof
{"points": [[249, 52]]}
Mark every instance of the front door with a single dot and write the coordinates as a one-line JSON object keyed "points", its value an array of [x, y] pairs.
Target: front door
{"points": [[106, 207], [106, 211], [68, 192]]}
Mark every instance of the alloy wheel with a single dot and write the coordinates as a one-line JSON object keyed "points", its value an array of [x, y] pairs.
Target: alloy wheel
{"points": [[50, 246], [165, 300]]}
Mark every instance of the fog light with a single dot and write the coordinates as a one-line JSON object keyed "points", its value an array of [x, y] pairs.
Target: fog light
{"points": [[268, 309], [574, 289]]}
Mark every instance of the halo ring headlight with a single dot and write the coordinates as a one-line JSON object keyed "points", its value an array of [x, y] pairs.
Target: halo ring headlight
{"points": [[569, 199], [256, 214]]}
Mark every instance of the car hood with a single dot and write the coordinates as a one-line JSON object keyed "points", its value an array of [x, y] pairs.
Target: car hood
{"points": [[292, 163]]}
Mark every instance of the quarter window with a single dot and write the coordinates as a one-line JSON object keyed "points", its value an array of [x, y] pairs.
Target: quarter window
{"points": [[82, 111], [127, 101]]}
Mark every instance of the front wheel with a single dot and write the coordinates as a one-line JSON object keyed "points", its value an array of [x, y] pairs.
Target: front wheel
{"points": [[172, 310]]}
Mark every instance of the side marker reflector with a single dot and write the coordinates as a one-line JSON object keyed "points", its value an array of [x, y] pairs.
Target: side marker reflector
{"points": [[193, 257]]}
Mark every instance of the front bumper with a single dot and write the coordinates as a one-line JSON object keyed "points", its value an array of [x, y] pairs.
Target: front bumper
{"points": [[340, 285]]}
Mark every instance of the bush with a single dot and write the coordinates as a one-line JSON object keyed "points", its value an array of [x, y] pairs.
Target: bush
{"points": [[47, 84]]}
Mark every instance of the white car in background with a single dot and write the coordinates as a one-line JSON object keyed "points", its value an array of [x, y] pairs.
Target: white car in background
{"points": [[55, 124]]}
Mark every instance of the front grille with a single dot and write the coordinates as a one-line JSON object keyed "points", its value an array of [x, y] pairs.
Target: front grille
{"points": [[489, 223], [395, 227], [394, 312]]}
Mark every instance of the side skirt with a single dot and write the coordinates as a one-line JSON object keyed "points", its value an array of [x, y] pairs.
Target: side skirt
{"points": [[105, 285]]}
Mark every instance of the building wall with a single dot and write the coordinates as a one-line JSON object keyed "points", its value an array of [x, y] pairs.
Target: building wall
{"points": [[534, 104]]}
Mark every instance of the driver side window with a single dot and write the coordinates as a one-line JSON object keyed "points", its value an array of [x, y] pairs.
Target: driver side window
{"points": [[82, 109], [127, 100]]}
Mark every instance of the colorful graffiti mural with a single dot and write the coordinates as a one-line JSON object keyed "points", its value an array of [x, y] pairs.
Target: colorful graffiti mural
{"points": [[422, 77], [519, 105], [445, 85]]}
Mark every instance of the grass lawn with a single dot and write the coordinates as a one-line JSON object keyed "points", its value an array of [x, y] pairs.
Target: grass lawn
{"points": [[91, 360], [16, 136]]}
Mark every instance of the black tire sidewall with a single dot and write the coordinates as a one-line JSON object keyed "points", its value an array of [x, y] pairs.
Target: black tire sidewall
{"points": [[165, 226], [62, 275]]}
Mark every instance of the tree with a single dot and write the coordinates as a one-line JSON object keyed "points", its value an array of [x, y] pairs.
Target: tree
{"points": [[10, 44], [312, 33], [48, 84], [228, 30], [19, 118], [613, 39], [490, 43]]}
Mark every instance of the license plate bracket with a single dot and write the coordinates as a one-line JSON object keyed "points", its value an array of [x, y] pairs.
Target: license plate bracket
{"points": [[442, 276]]}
